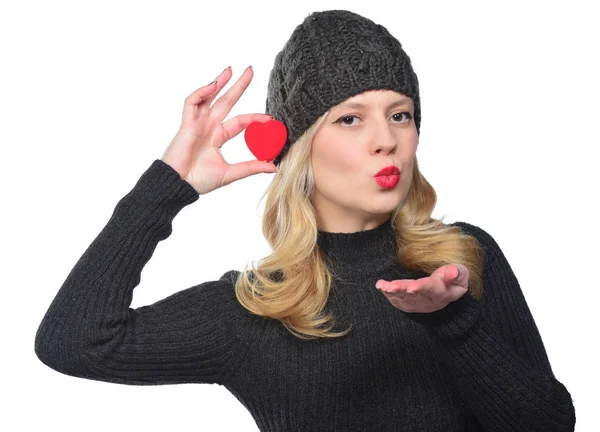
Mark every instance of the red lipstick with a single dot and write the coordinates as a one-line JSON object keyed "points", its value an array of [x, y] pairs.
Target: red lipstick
{"points": [[388, 177], [388, 170]]}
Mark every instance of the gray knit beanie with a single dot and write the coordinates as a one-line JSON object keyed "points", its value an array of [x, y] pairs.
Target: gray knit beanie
{"points": [[332, 56]]}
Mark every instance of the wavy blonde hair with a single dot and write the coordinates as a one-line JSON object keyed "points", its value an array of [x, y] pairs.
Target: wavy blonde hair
{"points": [[292, 284]]}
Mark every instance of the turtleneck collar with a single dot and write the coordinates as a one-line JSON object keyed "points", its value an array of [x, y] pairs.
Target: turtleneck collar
{"points": [[360, 254]]}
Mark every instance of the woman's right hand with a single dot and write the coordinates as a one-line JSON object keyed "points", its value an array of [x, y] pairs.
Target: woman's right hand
{"points": [[195, 152]]}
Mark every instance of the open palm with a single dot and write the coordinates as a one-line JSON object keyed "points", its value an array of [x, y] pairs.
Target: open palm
{"points": [[429, 294]]}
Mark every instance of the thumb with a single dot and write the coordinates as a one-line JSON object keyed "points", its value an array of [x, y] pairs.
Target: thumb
{"points": [[246, 169], [449, 271], [459, 271]]}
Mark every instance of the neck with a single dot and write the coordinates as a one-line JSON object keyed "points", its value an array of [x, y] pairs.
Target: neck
{"points": [[359, 254], [339, 222]]}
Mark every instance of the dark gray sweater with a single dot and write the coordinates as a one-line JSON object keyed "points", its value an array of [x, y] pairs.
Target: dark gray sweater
{"points": [[472, 366]]}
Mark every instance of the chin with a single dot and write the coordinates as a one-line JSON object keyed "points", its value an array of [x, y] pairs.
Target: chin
{"points": [[389, 206], [385, 209]]}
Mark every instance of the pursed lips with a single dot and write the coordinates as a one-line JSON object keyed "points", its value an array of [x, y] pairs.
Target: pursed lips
{"points": [[387, 171]]}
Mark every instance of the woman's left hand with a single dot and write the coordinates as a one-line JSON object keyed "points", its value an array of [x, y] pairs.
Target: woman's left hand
{"points": [[429, 294]]}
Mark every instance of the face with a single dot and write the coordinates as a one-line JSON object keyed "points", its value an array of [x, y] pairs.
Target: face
{"points": [[359, 137]]}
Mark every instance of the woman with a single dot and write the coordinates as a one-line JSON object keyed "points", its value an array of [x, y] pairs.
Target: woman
{"points": [[432, 331]]}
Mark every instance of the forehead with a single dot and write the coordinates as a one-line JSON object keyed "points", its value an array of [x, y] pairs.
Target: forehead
{"points": [[375, 98]]}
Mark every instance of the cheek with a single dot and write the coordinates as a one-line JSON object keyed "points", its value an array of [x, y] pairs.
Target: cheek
{"points": [[337, 175], [334, 157]]}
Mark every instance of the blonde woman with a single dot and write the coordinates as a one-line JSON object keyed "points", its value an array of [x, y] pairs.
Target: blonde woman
{"points": [[368, 315]]}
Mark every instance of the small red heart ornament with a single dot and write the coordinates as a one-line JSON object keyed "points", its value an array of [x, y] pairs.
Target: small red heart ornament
{"points": [[265, 140]]}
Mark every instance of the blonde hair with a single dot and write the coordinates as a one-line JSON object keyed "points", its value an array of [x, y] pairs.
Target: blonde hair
{"points": [[292, 284]]}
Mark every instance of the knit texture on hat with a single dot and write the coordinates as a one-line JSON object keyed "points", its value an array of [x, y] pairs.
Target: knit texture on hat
{"points": [[331, 56]]}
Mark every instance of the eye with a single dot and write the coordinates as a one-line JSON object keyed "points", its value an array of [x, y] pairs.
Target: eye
{"points": [[408, 115], [344, 119], [347, 120]]}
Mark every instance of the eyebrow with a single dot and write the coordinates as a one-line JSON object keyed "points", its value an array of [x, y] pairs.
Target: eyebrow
{"points": [[360, 105]]}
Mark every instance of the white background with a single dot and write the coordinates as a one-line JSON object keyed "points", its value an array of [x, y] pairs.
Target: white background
{"points": [[92, 93]]}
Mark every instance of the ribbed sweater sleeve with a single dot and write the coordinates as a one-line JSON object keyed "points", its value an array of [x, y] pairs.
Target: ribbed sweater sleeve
{"points": [[495, 353], [90, 330]]}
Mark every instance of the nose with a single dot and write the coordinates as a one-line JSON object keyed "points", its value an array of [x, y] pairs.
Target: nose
{"points": [[383, 140]]}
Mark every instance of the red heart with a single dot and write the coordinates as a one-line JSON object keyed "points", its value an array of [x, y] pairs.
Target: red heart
{"points": [[265, 140]]}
